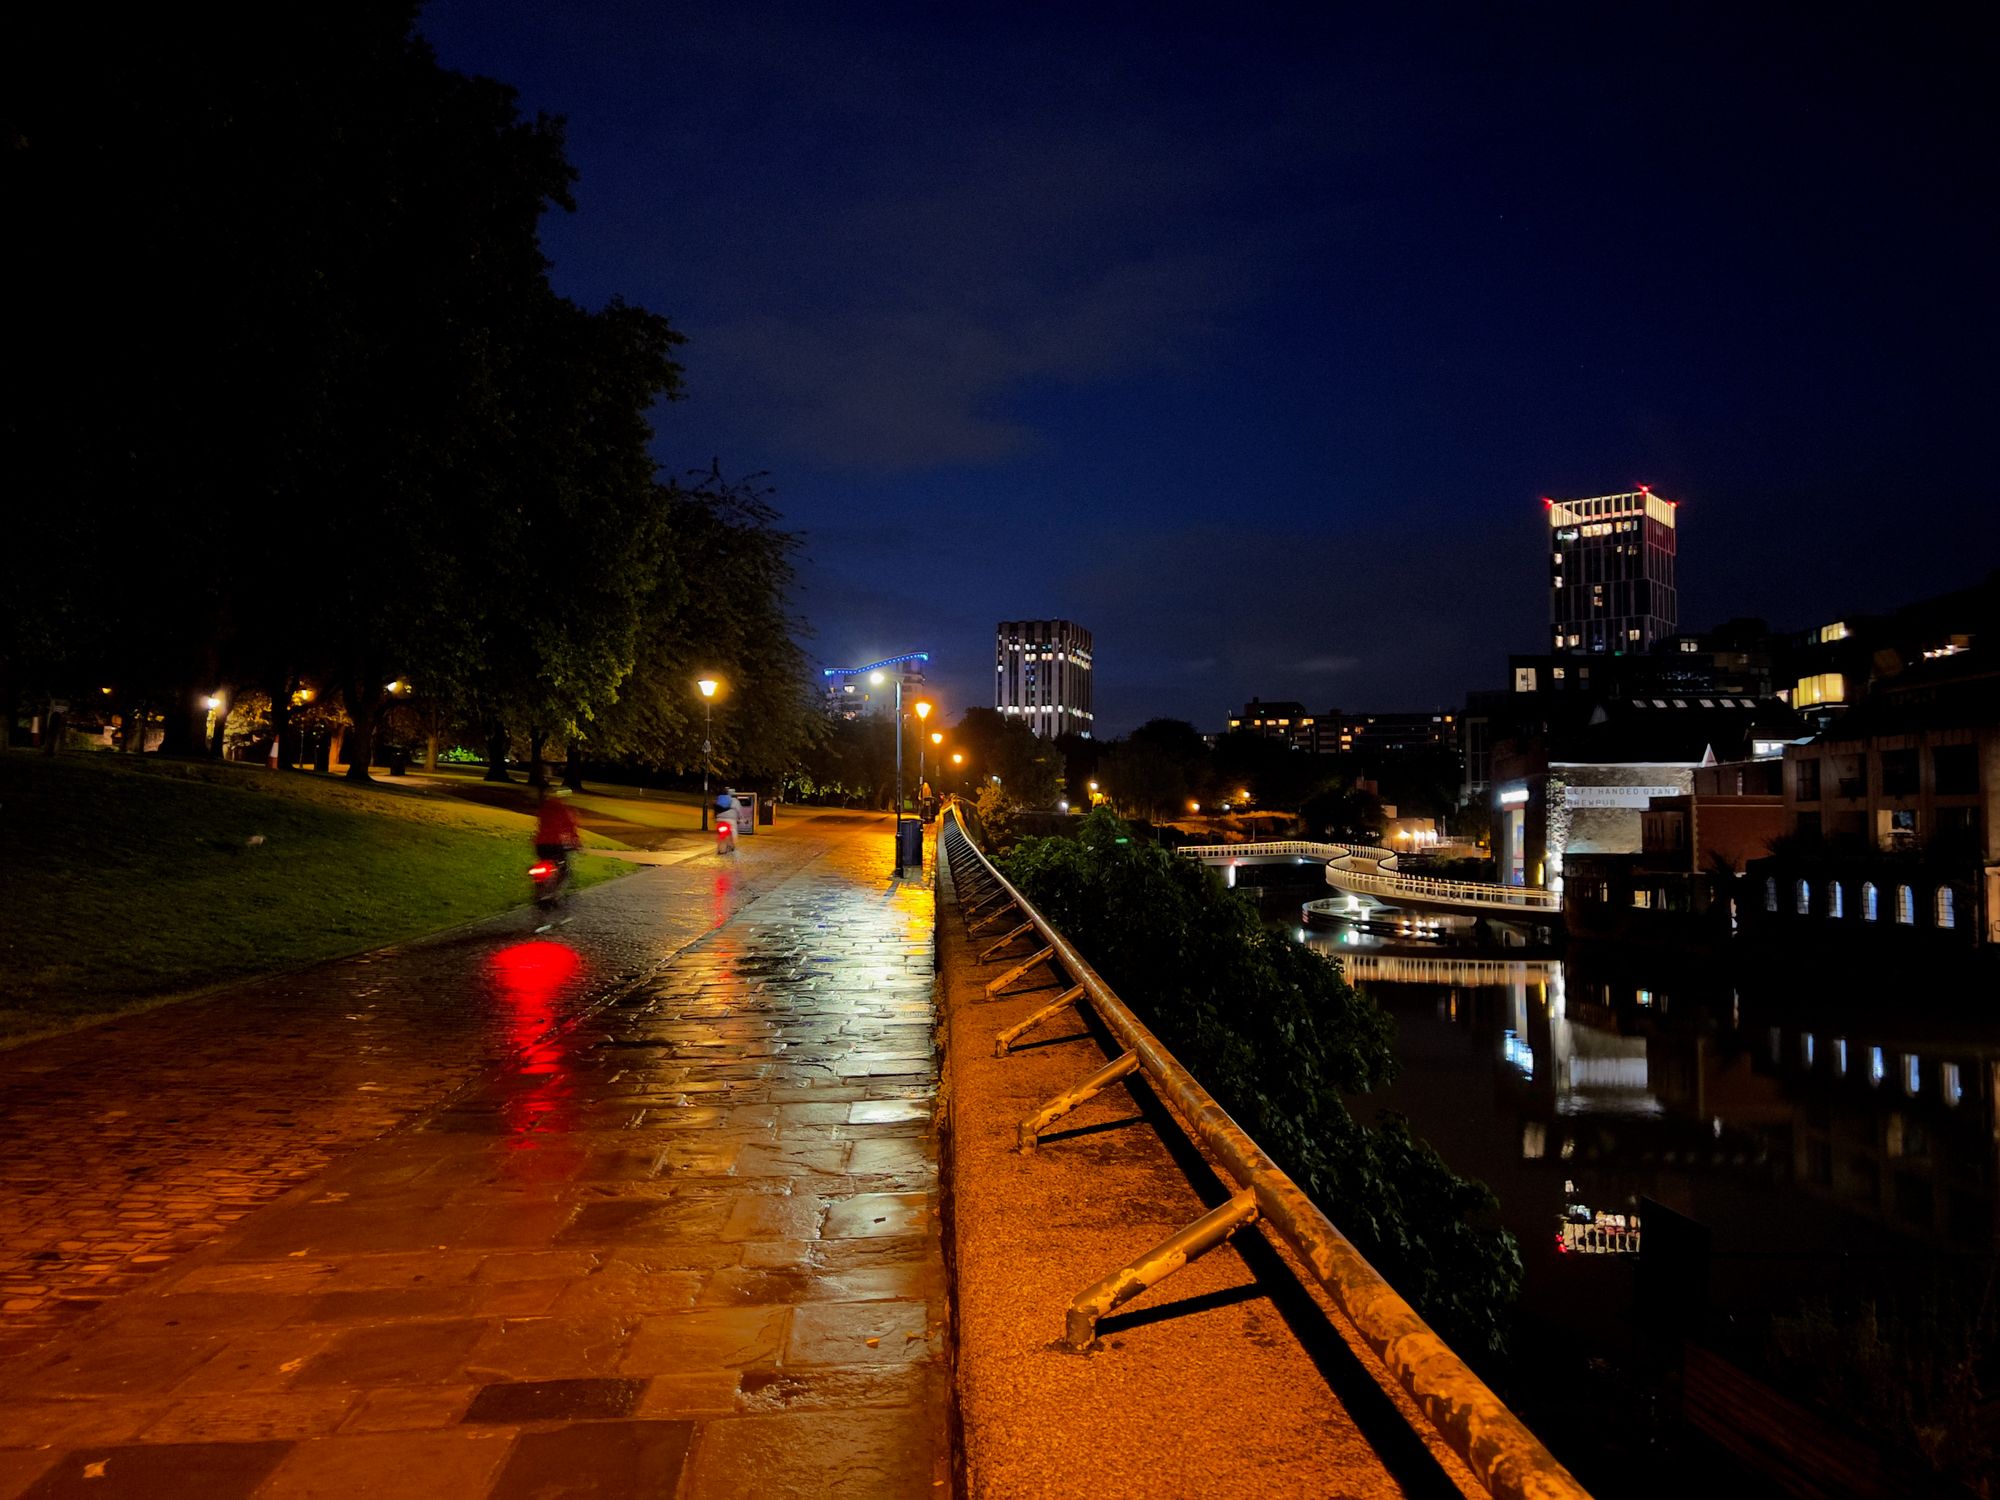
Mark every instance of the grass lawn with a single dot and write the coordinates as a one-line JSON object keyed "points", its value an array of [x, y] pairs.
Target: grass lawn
{"points": [[661, 812], [122, 881]]}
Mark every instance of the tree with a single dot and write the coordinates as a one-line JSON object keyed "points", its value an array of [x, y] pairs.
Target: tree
{"points": [[1028, 766]]}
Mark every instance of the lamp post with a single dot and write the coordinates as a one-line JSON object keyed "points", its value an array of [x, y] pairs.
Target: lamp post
{"points": [[923, 710], [958, 767], [897, 826], [707, 685]]}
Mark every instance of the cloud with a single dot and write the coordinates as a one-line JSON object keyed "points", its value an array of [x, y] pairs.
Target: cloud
{"points": [[1325, 666]]}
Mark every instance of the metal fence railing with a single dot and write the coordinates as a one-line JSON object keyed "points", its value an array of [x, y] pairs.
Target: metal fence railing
{"points": [[1508, 1459]]}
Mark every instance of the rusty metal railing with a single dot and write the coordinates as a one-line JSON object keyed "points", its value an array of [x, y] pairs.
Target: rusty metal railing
{"points": [[1507, 1458]]}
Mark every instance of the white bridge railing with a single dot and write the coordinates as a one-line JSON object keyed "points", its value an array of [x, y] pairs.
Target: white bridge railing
{"points": [[1382, 878]]}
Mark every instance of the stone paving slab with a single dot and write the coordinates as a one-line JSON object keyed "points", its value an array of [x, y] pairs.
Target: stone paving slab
{"points": [[688, 1247], [126, 1145]]}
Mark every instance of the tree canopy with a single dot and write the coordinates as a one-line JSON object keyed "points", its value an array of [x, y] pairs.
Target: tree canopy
{"points": [[293, 409]]}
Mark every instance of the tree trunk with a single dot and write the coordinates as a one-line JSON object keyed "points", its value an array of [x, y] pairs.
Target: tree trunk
{"points": [[538, 776], [364, 707], [281, 718], [218, 738], [185, 732], [496, 752], [573, 767], [431, 751]]}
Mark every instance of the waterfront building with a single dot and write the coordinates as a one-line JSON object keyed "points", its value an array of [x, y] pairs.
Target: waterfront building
{"points": [[1833, 665], [1580, 777], [1673, 893], [1042, 676], [1611, 573], [853, 692], [1892, 817]]}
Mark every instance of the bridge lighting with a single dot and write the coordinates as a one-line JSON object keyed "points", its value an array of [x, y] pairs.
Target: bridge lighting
{"points": [[1194, 807]]}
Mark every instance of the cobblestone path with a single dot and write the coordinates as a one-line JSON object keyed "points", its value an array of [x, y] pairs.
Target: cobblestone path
{"points": [[125, 1145], [687, 1248]]}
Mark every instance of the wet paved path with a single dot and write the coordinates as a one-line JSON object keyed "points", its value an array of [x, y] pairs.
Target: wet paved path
{"points": [[124, 1145], [687, 1247]]}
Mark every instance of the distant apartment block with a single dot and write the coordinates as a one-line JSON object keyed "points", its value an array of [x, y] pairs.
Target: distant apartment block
{"points": [[1338, 733], [1611, 573], [1042, 676]]}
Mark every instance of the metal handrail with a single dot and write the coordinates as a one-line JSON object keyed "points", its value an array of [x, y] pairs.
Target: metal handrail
{"points": [[1507, 1458]]}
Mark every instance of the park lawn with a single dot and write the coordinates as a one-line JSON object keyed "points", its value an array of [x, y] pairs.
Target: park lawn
{"points": [[667, 812], [123, 882]]}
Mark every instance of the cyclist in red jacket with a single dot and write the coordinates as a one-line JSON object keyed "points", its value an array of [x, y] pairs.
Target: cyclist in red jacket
{"points": [[556, 835]]}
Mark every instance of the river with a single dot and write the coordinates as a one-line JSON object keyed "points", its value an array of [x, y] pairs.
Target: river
{"points": [[1776, 1144]]}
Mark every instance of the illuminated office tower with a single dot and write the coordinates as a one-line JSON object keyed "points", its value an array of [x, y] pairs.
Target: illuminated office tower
{"points": [[1041, 675], [1611, 573]]}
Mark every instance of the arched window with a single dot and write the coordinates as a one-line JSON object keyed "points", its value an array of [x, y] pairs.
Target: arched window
{"points": [[1836, 900], [1869, 909], [1906, 906], [1770, 893], [1804, 898], [1947, 907]]}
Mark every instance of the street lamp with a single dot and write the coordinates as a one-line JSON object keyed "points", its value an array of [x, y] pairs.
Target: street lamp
{"points": [[707, 685], [923, 711], [876, 679]]}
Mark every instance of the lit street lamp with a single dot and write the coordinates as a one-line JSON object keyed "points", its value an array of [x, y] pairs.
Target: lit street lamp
{"points": [[923, 711], [708, 685], [876, 679]]}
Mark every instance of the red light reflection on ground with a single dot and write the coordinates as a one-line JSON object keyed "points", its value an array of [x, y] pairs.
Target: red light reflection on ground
{"points": [[529, 979]]}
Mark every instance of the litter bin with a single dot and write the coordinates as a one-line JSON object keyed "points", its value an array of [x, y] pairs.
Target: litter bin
{"points": [[910, 843], [746, 812], [767, 812]]}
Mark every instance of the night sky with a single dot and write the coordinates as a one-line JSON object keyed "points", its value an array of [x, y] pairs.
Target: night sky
{"points": [[1249, 337]]}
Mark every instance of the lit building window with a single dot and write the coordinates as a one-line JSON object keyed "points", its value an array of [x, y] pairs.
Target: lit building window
{"points": [[1806, 1049], [1947, 912], [1869, 905], [1906, 906], [1952, 1082], [1836, 903], [1804, 898], [1770, 893], [1912, 1076], [1823, 687], [1876, 1069], [1840, 1055]]}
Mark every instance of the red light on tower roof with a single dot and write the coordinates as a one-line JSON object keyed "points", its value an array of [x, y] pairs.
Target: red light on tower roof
{"points": [[1547, 503], [1645, 489]]}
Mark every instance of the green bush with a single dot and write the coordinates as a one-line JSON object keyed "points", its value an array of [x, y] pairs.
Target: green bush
{"points": [[459, 755], [1277, 1035]]}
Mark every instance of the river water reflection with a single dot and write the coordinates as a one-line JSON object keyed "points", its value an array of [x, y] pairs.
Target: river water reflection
{"points": [[1800, 1142]]}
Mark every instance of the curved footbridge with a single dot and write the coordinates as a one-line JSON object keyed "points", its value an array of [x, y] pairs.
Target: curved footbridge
{"points": [[1366, 870]]}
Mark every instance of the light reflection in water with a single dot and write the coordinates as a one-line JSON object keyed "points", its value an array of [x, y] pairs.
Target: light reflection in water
{"points": [[529, 981]]}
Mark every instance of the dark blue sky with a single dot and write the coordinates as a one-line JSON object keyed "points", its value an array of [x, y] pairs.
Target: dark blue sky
{"points": [[1249, 336]]}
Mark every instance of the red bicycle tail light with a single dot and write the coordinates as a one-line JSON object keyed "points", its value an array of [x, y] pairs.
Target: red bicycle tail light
{"points": [[542, 871], [722, 828]]}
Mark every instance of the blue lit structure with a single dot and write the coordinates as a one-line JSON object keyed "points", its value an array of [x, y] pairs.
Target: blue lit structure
{"points": [[848, 698]]}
